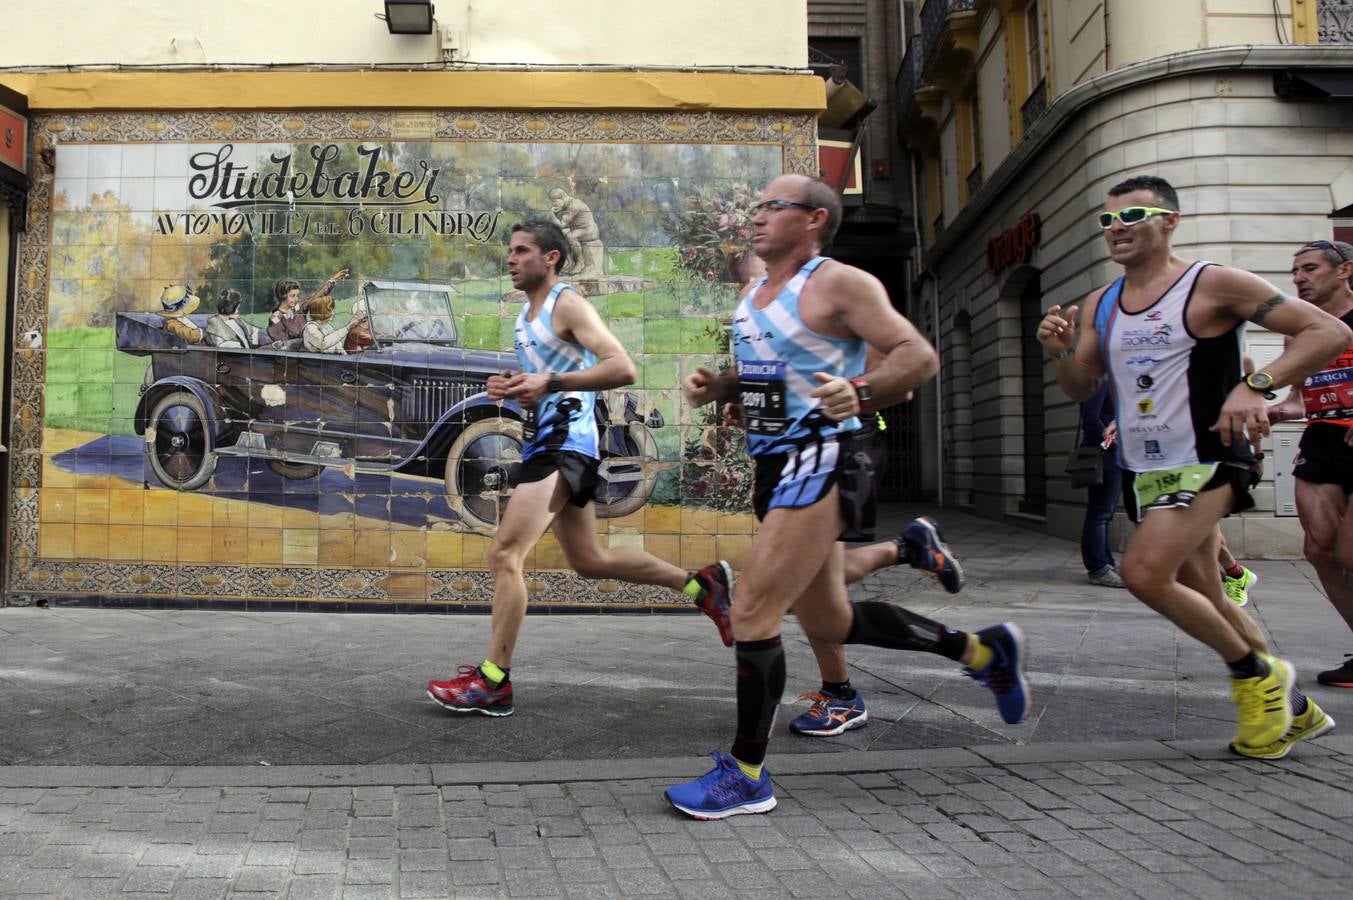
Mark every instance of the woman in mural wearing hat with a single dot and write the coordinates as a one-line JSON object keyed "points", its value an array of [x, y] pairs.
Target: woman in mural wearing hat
{"points": [[177, 302], [288, 317]]}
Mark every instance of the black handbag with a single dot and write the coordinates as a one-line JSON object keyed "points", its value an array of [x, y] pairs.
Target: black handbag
{"points": [[1085, 465]]}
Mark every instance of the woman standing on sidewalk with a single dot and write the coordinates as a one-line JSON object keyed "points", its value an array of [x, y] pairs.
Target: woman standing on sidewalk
{"points": [[1098, 428]]}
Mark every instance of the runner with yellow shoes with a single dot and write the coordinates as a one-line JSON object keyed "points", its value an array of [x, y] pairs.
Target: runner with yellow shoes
{"points": [[1167, 334]]}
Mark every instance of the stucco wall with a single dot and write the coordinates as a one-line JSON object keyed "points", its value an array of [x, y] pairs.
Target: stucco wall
{"points": [[536, 32]]}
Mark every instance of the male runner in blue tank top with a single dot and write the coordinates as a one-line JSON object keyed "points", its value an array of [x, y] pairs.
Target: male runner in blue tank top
{"points": [[1323, 274], [566, 354], [799, 342], [1188, 424]]}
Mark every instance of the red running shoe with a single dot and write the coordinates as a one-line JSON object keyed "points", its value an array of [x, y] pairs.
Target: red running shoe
{"points": [[717, 600], [470, 692]]}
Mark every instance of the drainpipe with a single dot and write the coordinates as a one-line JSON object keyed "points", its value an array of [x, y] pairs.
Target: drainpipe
{"points": [[915, 272]]}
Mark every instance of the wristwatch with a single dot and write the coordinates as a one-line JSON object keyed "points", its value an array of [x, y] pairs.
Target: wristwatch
{"points": [[1261, 382], [555, 385], [862, 392]]}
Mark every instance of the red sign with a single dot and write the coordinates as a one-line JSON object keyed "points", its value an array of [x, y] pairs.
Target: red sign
{"points": [[839, 163], [14, 141], [1017, 244]]}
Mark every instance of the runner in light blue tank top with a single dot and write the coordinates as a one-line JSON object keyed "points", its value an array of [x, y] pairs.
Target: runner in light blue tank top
{"points": [[776, 356], [564, 420]]}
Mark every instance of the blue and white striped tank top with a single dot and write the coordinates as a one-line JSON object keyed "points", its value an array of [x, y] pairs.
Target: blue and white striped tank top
{"points": [[564, 420], [776, 356]]}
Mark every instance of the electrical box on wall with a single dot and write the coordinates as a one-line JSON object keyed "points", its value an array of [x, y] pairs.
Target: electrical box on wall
{"points": [[1283, 459]]}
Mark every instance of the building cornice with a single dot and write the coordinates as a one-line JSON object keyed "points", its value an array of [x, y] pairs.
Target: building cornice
{"points": [[1060, 113], [89, 91]]}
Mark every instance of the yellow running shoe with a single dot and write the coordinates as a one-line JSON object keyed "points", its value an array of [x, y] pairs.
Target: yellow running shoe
{"points": [[1238, 589], [1263, 706], [1310, 724]]}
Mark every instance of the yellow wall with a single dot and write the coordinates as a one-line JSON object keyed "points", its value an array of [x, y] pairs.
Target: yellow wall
{"points": [[1158, 27], [539, 32]]}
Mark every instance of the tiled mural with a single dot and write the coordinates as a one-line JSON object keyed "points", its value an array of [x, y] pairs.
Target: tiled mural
{"points": [[250, 350]]}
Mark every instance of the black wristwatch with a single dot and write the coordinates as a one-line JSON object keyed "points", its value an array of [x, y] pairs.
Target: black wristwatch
{"points": [[862, 392], [1261, 382], [555, 385]]}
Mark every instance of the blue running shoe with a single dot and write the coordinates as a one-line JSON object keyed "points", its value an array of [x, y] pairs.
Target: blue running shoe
{"points": [[722, 792], [1005, 673], [830, 715], [922, 546]]}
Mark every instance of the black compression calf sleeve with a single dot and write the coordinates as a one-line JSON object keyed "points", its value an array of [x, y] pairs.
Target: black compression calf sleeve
{"points": [[761, 684], [881, 624]]}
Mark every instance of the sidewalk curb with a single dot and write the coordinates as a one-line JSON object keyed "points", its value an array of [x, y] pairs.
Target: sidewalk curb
{"points": [[567, 771]]}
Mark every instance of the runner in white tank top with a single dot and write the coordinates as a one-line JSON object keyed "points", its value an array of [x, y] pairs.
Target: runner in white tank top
{"points": [[1171, 349]]}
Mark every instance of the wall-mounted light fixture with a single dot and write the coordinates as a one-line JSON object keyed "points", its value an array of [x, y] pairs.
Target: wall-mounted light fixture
{"points": [[409, 16]]}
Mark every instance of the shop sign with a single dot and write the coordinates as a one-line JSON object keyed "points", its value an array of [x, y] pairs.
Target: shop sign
{"points": [[13, 144], [1015, 245]]}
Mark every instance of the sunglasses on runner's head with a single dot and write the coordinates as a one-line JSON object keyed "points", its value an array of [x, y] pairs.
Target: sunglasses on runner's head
{"points": [[777, 205], [1131, 215], [1326, 245]]}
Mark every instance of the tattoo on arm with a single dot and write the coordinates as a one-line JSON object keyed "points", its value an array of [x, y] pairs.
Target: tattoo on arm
{"points": [[1267, 307]]}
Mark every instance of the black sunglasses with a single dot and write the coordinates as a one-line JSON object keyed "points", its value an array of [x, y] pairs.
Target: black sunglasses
{"points": [[777, 205], [1327, 245]]}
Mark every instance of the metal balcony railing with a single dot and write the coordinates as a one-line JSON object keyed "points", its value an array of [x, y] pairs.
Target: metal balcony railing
{"points": [[933, 15], [908, 76], [1035, 106], [1334, 21], [975, 179]]}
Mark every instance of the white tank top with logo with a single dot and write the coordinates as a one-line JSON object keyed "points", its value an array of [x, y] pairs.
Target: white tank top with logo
{"points": [[1169, 385]]}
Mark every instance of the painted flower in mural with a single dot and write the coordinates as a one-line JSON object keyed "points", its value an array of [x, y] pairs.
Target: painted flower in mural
{"points": [[713, 233], [716, 472]]}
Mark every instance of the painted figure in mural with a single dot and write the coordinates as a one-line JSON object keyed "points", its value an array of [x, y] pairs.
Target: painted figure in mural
{"points": [[226, 328], [288, 318], [575, 218], [359, 329], [566, 354], [800, 339], [1167, 335], [177, 302], [1323, 274], [319, 334]]}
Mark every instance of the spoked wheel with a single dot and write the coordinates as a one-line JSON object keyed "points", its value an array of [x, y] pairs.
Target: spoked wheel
{"points": [[179, 442], [482, 467]]}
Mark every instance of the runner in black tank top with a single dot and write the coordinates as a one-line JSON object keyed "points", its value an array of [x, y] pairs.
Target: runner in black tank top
{"points": [[1322, 272]]}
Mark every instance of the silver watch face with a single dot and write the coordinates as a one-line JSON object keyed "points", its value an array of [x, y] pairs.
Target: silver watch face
{"points": [[1260, 381]]}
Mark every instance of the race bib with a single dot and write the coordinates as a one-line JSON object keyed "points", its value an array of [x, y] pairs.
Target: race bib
{"points": [[762, 383], [1329, 394], [1165, 488]]}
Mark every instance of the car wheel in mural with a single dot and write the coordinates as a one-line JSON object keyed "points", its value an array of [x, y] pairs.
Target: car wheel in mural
{"points": [[482, 467], [179, 441]]}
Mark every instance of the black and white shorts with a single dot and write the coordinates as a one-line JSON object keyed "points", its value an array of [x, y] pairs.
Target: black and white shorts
{"points": [[805, 474]]}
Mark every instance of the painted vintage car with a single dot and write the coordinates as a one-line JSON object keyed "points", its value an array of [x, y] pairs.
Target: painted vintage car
{"points": [[413, 404]]}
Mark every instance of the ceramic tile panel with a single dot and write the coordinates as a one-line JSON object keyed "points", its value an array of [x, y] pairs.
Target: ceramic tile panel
{"points": [[174, 437]]}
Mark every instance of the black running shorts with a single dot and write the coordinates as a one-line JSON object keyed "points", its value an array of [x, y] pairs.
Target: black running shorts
{"points": [[578, 471], [1323, 457]]}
